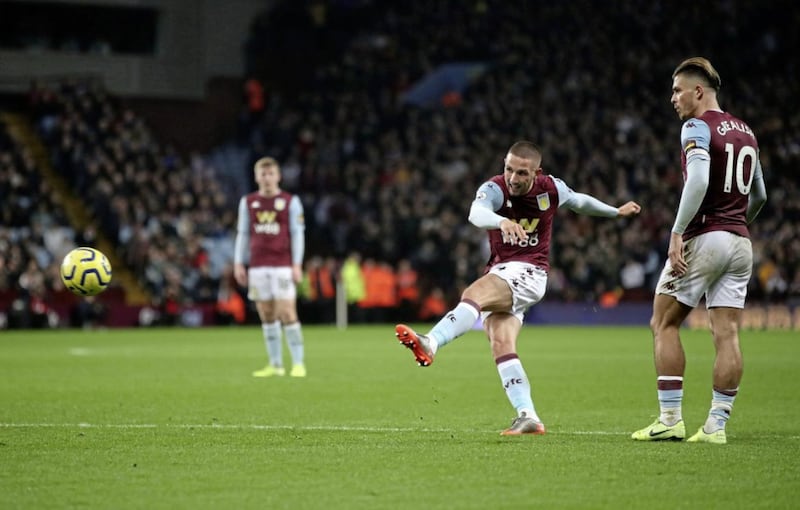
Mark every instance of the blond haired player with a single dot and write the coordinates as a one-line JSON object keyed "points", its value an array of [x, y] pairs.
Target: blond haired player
{"points": [[268, 258]]}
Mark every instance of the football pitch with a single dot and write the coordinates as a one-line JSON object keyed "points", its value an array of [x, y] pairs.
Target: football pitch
{"points": [[172, 418]]}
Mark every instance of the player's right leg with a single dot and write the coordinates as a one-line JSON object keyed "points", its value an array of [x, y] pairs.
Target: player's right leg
{"points": [[658, 431], [490, 289], [269, 371], [420, 345], [670, 361], [271, 332]]}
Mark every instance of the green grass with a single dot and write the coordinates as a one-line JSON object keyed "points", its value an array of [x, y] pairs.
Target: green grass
{"points": [[172, 419]]}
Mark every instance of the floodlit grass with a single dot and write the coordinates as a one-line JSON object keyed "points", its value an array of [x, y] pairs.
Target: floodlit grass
{"points": [[171, 418]]}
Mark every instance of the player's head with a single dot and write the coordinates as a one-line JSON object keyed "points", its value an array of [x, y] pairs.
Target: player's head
{"points": [[522, 164], [695, 84], [267, 174]]}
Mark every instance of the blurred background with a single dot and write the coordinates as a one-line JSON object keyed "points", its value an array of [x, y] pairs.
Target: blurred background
{"points": [[132, 126]]}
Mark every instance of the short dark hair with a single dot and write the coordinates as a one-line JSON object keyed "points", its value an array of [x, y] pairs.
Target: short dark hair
{"points": [[525, 149], [701, 68]]}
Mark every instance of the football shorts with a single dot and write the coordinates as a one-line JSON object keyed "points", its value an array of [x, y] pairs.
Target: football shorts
{"points": [[720, 265], [270, 283], [527, 282]]}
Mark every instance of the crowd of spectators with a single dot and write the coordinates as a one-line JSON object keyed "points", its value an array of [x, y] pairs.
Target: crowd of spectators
{"points": [[160, 209], [392, 181], [588, 82], [34, 234]]}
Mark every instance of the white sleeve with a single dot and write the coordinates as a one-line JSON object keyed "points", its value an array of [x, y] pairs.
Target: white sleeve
{"points": [[698, 168], [297, 229], [240, 247], [581, 202], [488, 199]]}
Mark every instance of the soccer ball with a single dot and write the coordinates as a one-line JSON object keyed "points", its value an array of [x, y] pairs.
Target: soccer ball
{"points": [[86, 271]]}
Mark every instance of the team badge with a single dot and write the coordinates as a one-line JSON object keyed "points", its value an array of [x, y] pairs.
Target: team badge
{"points": [[280, 204], [255, 204], [543, 200]]}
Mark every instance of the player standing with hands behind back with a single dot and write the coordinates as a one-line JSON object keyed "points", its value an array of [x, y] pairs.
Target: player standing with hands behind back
{"points": [[709, 250], [270, 239]]}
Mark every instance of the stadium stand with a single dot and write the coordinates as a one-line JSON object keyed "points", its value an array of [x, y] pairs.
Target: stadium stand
{"points": [[389, 176]]}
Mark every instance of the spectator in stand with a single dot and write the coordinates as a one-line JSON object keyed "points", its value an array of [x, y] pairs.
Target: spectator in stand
{"points": [[230, 306], [319, 290], [382, 149], [369, 304], [407, 291], [433, 306], [352, 277]]}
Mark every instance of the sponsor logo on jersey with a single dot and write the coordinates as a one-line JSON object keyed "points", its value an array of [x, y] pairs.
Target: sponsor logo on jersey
{"points": [[266, 216], [543, 200], [528, 225]]}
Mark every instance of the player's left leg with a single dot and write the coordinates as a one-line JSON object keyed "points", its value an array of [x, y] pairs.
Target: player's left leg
{"points": [[725, 301], [292, 329], [728, 368], [503, 329]]}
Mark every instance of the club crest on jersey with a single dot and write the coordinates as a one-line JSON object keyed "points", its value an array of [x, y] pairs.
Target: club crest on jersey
{"points": [[255, 204], [280, 204], [543, 199]]}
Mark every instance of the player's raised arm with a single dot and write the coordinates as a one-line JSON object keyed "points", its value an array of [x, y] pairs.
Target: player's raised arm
{"points": [[589, 205]]}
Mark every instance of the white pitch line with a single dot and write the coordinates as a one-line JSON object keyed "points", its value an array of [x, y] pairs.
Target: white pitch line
{"points": [[309, 428], [332, 428], [81, 351]]}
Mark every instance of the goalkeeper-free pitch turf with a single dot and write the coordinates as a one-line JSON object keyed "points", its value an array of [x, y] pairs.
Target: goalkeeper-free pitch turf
{"points": [[172, 418]]}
